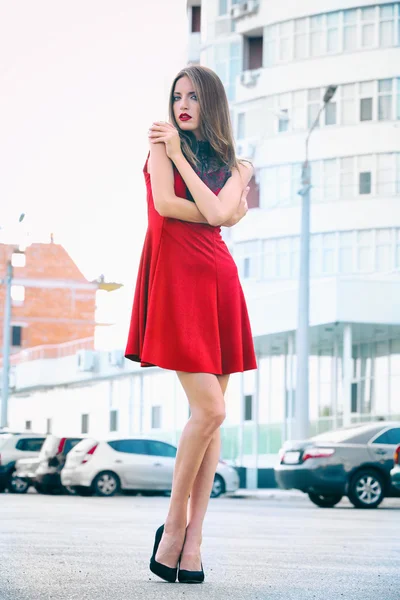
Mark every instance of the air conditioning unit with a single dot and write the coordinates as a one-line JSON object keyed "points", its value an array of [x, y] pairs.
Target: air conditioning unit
{"points": [[86, 360], [242, 9], [116, 358], [249, 77]]}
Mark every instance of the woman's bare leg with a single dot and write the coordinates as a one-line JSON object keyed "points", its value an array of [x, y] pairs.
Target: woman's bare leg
{"points": [[200, 496], [207, 407]]}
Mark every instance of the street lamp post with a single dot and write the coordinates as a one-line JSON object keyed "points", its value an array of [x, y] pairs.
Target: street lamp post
{"points": [[7, 341], [301, 422]]}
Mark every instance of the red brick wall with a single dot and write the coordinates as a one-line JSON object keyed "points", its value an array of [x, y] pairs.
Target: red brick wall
{"points": [[51, 315]]}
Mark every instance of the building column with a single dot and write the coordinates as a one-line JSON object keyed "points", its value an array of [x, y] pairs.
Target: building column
{"points": [[334, 380], [290, 387], [141, 404], [347, 373], [241, 422]]}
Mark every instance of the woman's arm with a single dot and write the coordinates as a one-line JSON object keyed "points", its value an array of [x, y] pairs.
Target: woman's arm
{"points": [[217, 209], [166, 203]]}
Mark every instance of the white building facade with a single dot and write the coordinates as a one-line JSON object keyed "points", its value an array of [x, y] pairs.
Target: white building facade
{"points": [[276, 60]]}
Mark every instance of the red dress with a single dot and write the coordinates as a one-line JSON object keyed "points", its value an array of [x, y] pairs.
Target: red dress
{"points": [[189, 312]]}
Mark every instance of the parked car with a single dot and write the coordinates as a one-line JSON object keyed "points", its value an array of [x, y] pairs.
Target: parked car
{"points": [[24, 474], [107, 467], [51, 459], [13, 447], [354, 462], [395, 472]]}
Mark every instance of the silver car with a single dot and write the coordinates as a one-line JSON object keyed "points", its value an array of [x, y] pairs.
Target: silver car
{"points": [[107, 467]]}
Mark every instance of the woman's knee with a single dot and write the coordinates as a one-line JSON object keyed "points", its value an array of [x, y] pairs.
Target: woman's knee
{"points": [[209, 418]]}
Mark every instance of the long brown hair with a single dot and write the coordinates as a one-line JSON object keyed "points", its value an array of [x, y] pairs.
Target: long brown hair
{"points": [[215, 120]]}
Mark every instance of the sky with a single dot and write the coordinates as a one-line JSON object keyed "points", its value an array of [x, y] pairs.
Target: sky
{"points": [[81, 83]]}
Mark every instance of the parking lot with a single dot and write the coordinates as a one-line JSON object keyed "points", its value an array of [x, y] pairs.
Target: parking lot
{"points": [[266, 547]]}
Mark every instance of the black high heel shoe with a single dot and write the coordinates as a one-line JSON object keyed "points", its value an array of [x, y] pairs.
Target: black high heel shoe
{"points": [[167, 573], [191, 576]]}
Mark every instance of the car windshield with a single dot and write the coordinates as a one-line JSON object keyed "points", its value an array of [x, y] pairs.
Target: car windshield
{"points": [[340, 435]]}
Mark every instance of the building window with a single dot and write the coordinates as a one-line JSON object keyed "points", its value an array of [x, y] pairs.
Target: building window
{"points": [[365, 182], [248, 408], [85, 423], [283, 122], [241, 126], [255, 49], [333, 32], [17, 294], [113, 420], [366, 100], [222, 7], [155, 417], [28, 425], [196, 19], [48, 425], [330, 113], [18, 259], [16, 335], [385, 99]]}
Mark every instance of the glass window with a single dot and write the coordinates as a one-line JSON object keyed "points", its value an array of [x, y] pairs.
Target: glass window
{"points": [[328, 252], [366, 109], [30, 444], [316, 35], [350, 30], [156, 448], [348, 104], [130, 446], [85, 423], [16, 335], [285, 37], [269, 259], [271, 44], [113, 420], [346, 251], [368, 28], [222, 7], [364, 182], [385, 99], [155, 417], [248, 407], [299, 110], [385, 174], [346, 177], [332, 22], [241, 126], [18, 294], [386, 26], [70, 443], [330, 113], [300, 39], [394, 435], [382, 439], [364, 250], [330, 178]]}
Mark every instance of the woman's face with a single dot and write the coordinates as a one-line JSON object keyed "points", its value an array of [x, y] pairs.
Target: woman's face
{"points": [[186, 104]]}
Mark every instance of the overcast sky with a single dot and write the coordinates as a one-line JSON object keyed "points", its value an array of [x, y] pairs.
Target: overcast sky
{"points": [[81, 82]]}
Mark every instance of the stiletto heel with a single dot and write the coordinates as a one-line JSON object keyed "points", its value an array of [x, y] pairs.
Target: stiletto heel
{"points": [[191, 576], [167, 573]]}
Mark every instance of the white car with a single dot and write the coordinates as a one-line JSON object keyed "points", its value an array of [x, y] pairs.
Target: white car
{"points": [[13, 447], [106, 467]]}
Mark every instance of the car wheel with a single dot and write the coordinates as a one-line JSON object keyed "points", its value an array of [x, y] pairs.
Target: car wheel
{"points": [[325, 501], [81, 490], [366, 489], [106, 484], [18, 485], [218, 487]]}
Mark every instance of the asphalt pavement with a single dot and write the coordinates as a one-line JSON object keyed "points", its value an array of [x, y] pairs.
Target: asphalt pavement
{"points": [[271, 546]]}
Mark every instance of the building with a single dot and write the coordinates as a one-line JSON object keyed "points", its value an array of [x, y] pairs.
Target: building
{"points": [[275, 61], [52, 302]]}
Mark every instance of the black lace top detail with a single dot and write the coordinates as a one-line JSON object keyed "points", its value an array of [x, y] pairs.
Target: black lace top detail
{"points": [[214, 173]]}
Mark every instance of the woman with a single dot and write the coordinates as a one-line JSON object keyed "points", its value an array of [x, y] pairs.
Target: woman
{"points": [[189, 313]]}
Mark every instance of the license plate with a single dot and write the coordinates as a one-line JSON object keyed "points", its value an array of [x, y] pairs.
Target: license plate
{"points": [[291, 458]]}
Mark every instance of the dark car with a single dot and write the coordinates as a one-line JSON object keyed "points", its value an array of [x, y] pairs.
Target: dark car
{"points": [[52, 458], [395, 472], [353, 461]]}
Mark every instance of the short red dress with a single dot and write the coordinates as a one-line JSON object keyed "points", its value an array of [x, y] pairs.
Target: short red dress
{"points": [[189, 312]]}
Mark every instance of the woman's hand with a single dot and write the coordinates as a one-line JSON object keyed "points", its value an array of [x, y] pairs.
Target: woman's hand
{"points": [[169, 135], [241, 210]]}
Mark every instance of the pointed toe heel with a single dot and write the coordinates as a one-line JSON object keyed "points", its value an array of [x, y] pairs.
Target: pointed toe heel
{"points": [[166, 573], [191, 576]]}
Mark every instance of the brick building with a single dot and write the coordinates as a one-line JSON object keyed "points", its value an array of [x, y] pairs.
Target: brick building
{"points": [[52, 302]]}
